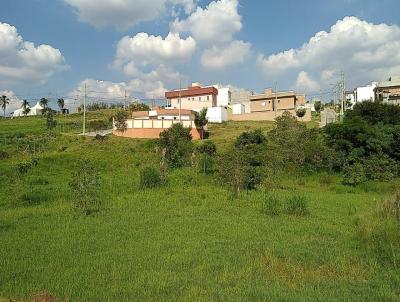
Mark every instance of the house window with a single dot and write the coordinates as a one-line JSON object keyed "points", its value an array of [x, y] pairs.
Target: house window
{"points": [[208, 97]]}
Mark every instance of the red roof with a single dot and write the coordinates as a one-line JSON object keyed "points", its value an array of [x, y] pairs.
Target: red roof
{"points": [[192, 91]]}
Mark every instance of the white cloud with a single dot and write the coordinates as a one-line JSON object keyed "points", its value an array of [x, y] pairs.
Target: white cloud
{"points": [[23, 62], [364, 51], [305, 84], [219, 58], [215, 24], [144, 49], [123, 14], [15, 102]]}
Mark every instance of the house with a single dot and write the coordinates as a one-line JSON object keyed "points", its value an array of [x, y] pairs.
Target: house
{"points": [[195, 97], [240, 100], [224, 97], [149, 124], [388, 91], [269, 105]]}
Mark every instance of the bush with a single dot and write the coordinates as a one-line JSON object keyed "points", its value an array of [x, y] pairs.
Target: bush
{"points": [[208, 147], [176, 145], [120, 120], [85, 184], [354, 175], [206, 163], [297, 205], [246, 139], [301, 112], [150, 178], [381, 168], [271, 205]]}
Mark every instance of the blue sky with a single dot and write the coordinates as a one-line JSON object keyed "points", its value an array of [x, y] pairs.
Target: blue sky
{"points": [[251, 47]]}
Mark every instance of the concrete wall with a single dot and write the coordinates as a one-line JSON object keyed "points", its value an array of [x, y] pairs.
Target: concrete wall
{"points": [[282, 103], [217, 115], [224, 97], [365, 93], [150, 133], [267, 116]]}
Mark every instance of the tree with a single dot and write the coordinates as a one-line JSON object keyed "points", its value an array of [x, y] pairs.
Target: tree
{"points": [[120, 120], [25, 107], [176, 145], [4, 101], [318, 106], [61, 104], [301, 112], [200, 120], [44, 103], [136, 106]]}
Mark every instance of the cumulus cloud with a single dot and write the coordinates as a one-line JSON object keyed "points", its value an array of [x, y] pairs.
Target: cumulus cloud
{"points": [[143, 49], [123, 14], [305, 84], [365, 51], [218, 58], [23, 62], [215, 24]]}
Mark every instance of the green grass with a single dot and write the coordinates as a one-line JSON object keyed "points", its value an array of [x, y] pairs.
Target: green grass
{"points": [[185, 242]]}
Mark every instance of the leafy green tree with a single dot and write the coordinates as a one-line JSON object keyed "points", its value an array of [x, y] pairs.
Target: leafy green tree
{"points": [[200, 120], [206, 157], [85, 184], [136, 106], [301, 112], [318, 106], [120, 120], [4, 102], [176, 145]]}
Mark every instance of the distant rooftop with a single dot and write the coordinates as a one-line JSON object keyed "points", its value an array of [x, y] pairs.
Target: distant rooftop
{"points": [[393, 81]]}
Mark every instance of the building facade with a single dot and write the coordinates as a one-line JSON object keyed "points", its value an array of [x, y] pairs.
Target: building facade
{"points": [[276, 101], [193, 98], [389, 91]]}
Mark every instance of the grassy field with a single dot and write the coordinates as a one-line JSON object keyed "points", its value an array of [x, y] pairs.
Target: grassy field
{"points": [[185, 242]]}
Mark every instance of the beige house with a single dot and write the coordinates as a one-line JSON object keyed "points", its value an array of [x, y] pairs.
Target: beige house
{"points": [[389, 91], [276, 101], [193, 98]]}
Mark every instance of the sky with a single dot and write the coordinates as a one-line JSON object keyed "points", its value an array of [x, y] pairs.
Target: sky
{"points": [[51, 48]]}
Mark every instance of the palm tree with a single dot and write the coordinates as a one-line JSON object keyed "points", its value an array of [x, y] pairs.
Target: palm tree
{"points": [[44, 103], [61, 104], [4, 101], [25, 107]]}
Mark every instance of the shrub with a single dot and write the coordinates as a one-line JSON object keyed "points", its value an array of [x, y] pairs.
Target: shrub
{"points": [[354, 175], [206, 163], [318, 106], [246, 139], [120, 120], [138, 107], [297, 205], [271, 205], [51, 123], [84, 184], [176, 145], [380, 167], [150, 178], [301, 112], [208, 147]]}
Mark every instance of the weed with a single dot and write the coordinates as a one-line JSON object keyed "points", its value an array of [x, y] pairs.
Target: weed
{"points": [[297, 205], [271, 205]]}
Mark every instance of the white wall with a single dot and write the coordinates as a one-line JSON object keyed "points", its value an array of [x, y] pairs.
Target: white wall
{"points": [[238, 109], [365, 93], [217, 115], [224, 97]]}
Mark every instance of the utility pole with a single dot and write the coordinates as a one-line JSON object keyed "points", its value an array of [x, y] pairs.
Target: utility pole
{"points": [[276, 97], [125, 100], [180, 101], [342, 87], [84, 111]]}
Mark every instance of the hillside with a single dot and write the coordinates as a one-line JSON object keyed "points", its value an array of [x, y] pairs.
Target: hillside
{"points": [[188, 241]]}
